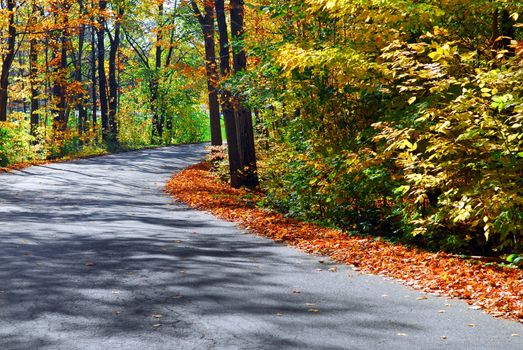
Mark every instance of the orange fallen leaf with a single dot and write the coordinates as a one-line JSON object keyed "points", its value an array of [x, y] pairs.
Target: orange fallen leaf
{"points": [[494, 289]]}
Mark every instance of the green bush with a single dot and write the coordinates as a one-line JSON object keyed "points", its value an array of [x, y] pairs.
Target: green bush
{"points": [[16, 145]]}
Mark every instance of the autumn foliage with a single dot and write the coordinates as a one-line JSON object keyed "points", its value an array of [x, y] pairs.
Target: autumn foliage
{"points": [[393, 117], [498, 290]]}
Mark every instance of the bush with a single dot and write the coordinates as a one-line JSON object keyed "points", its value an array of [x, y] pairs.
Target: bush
{"points": [[16, 145]]}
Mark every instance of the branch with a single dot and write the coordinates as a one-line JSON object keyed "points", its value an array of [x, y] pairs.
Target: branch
{"points": [[141, 55], [197, 12]]}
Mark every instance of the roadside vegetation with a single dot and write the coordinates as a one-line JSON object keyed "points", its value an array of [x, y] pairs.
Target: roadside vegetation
{"points": [[83, 78], [398, 119]]}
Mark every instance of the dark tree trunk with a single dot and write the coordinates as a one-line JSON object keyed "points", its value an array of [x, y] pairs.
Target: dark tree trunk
{"points": [[207, 25], [102, 79], [495, 29], [33, 76], [82, 112], [60, 82], [248, 172], [7, 60], [507, 32], [158, 119], [113, 81], [225, 95], [93, 79]]}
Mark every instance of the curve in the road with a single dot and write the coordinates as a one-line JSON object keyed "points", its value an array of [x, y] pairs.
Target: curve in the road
{"points": [[93, 255]]}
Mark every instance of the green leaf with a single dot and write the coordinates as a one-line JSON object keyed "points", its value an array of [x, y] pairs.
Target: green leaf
{"points": [[512, 257]]}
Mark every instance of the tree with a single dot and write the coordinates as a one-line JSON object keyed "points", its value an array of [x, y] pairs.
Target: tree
{"points": [[102, 78], [227, 106], [248, 175], [113, 82], [206, 21], [78, 76], [8, 54], [60, 46], [158, 116], [33, 74]]}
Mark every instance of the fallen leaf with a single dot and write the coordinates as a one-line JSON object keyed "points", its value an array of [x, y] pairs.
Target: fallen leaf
{"points": [[423, 297], [438, 273], [333, 269]]}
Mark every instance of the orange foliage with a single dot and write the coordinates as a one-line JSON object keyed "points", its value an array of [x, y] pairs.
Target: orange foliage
{"points": [[497, 290]]}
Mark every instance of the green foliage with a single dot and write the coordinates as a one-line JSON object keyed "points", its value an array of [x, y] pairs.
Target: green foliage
{"points": [[156, 66], [459, 156], [16, 143], [396, 118]]}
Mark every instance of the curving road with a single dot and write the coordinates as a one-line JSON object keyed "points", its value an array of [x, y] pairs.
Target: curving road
{"points": [[94, 256]]}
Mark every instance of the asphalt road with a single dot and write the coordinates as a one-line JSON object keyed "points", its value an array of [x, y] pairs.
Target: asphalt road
{"points": [[94, 256]]}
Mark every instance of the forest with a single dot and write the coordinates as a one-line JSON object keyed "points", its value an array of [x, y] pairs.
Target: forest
{"points": [[395, 118]]}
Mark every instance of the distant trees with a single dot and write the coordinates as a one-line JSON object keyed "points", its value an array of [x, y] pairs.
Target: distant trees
{"points": [[75, 72]]}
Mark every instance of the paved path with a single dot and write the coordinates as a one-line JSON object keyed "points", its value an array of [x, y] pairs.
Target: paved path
{"points": [[94, 256]]}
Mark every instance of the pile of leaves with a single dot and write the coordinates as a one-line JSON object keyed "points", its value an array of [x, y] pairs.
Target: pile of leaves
{"points": [[498, 290]]}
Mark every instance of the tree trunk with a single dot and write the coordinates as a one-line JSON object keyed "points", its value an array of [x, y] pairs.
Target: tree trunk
{"points": [[60, 79], [248, 172], [82, 112], [33, 76], [225, 95], [158, 118], [508, 32], [113, 82], [102, 80], [7, 60], [93, 79], [207, 26]]}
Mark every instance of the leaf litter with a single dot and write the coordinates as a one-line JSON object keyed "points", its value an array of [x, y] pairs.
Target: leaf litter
{"points": [[495, 289]]}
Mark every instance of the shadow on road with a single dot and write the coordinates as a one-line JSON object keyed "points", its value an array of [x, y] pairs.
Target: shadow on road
{"points": [[91, 253]]}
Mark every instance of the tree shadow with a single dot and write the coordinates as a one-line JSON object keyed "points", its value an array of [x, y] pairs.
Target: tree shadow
{"points": [[92, 255]]}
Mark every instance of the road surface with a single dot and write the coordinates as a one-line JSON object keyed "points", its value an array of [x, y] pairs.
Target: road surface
{"points": [[93, 255]]}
